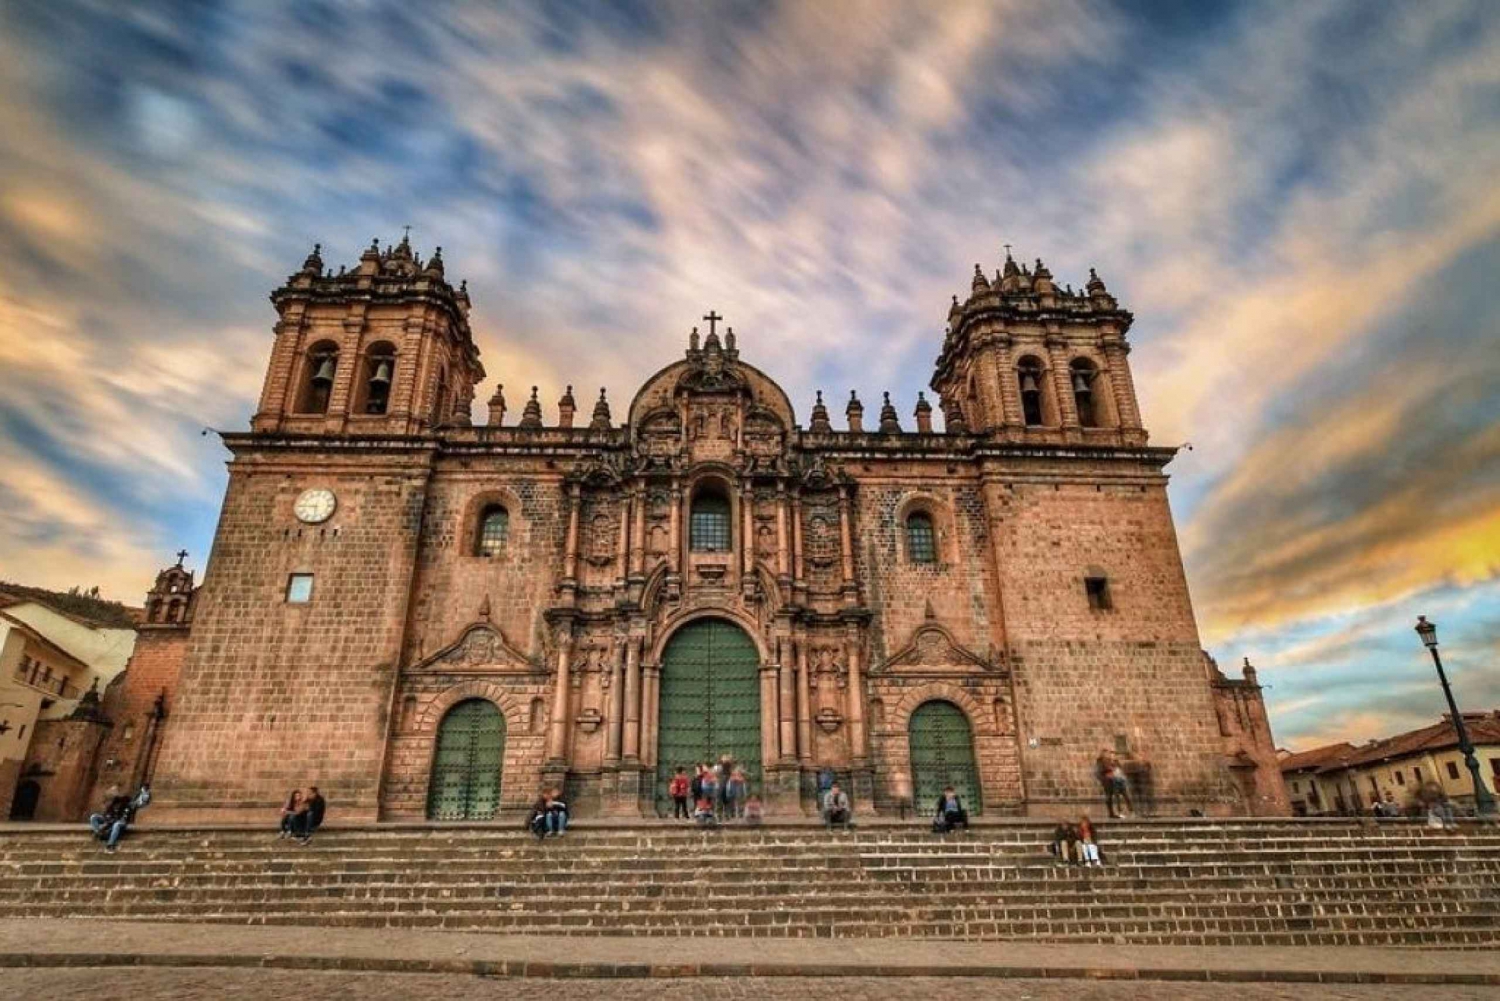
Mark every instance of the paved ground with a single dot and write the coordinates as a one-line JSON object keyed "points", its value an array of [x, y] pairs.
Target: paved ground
{"points": [[244, 985], [389, 952]]}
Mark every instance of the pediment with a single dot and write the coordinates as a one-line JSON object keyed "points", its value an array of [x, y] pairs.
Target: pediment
{"points": [[480, 649], [933, 650]]}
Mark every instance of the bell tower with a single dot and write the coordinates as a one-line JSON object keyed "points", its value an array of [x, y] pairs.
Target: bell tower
{"points": [[1029, 361], [382, 349]]}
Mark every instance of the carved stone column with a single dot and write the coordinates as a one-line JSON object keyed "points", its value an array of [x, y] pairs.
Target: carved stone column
{"points": [[804, 709], [1121, 387], [650, 712], [797, 572], [859, 746], [675, 527], [786, 681], [622, 547], [570, 553], [632, 742], [562, 694], [783, 567], [747, 530], [1062, 382], [846, 544], [615, 719], [768, 714], [638, 498]]}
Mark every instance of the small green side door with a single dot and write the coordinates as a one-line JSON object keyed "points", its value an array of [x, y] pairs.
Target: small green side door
{"points": [[466, 765], [942, 754], [710, 703]]}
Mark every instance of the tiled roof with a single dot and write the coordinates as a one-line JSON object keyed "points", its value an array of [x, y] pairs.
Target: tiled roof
{"points": [[1317, 757], [1483, 729]]}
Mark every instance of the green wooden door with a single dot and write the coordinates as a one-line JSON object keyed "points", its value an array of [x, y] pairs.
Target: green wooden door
{"points": [[466, 765], [710, 702], [942, 754]]}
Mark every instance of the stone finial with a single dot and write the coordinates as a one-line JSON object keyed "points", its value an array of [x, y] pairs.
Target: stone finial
{"points": [[889, 422], [1248, 670], [820, 423], [1010, 270], [981, 283], [693, 342], [729, 347], [434, 267], [953, 417], [403, 249], [566, 408], [855, 411], [369, 261], [1095, 287], [955, 310], [601, 421], [924, 414], [497, 407], [531, 417], [313, 265]]}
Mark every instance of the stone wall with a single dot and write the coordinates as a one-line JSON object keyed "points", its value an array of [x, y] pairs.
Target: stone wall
{"points": [[276, 695]]}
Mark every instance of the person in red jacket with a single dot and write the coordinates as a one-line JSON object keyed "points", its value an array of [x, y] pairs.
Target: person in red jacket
{"points": [[678, 790]]}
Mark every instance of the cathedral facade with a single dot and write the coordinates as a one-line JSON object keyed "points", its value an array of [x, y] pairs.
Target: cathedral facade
{"points": [[429, 618]]}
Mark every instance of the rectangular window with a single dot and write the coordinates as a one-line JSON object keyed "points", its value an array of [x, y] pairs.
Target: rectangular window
{"points": [[1416, 775], [1296, 787], [1400, 779], [1097, 589], [299, 588], [1452, 770]]}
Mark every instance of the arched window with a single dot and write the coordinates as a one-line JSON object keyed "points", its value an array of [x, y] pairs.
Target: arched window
{"points": [[1083, 374], [921, 540], [318, 373], [494, 528], [379, 374], [1029, 374], [708, 524]]}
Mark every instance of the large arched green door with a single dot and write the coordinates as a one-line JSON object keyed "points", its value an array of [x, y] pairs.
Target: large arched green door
{"points": [[710, 702], [466, 765], [942, 754]]}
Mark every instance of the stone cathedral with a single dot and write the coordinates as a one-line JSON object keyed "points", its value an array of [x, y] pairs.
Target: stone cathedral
{"points": [[429, 618]]}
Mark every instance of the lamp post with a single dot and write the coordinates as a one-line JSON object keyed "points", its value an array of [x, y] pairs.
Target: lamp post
{"points": [[1484, 803]]}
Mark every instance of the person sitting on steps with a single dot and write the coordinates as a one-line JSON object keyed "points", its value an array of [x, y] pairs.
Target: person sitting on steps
{"points": [[110, 823], [836, 809], [557, 813], [289, 811], [950, 812], [755, 813], [1065, 843], [309, 820], [703, 812], [1088, 849], [536, 823]]}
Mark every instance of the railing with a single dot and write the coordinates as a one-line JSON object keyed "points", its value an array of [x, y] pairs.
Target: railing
{"points": [[60, 687]]}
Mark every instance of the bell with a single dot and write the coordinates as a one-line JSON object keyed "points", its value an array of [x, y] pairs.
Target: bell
{"points": [[1028, 382], [382, 376], [1080, 381], [324, 374]]}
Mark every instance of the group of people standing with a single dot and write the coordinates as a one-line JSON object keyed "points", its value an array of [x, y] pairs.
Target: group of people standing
{"points": [[302, 814], [717, 792]]}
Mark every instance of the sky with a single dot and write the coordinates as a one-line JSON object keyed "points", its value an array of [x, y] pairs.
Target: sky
{"points": [[1299, 202]]}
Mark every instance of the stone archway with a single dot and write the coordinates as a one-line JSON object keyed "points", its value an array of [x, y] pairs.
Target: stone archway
{"points": [[709, 703], [941, 741], [467, 763]]}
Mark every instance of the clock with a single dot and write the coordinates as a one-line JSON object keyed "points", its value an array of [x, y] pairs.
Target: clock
{"points": [[315, 506]]}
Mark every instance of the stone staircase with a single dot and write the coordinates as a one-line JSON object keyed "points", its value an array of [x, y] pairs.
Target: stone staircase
{"points": [[1188, 882]]}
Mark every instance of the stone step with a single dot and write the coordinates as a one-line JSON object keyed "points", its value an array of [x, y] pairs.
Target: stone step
{"points": [[1369, 929]]}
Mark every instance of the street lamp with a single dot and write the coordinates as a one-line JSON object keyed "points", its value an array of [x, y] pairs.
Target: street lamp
{"points": [[1484, 803]]}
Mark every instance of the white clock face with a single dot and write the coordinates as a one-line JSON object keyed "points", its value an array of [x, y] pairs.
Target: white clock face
{"points": [[315, 506]]}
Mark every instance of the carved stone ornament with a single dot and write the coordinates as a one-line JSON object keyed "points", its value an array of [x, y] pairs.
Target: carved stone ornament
{"points": [[933, 650], [480, 649], [829, 719], [589, 720]]}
